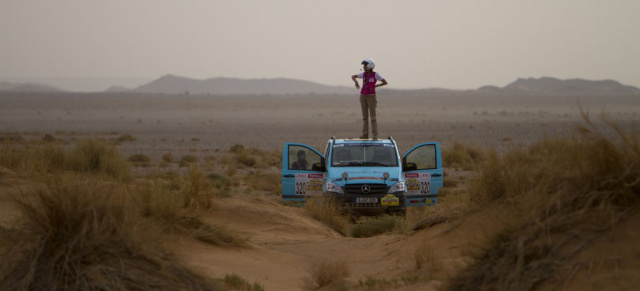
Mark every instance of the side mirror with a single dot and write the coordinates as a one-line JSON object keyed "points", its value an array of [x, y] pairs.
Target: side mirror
{"points": [[318, 167], [409, 167]]}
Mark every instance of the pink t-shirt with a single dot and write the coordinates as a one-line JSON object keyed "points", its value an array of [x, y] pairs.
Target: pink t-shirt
{"points": [[369, 80]]}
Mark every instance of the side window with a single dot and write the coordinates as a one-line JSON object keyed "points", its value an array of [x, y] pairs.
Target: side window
{"points": [[424, 157], [301, 158]]}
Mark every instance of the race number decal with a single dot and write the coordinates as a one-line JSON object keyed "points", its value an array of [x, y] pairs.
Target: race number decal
{"points": [[418, 183], [308, 184]]}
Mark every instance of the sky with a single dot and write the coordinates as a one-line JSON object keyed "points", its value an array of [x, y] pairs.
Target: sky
{"points": [[461, 44]]}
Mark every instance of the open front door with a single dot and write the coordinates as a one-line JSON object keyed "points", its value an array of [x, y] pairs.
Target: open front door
{"points": [[302, 173], [422, 170]]}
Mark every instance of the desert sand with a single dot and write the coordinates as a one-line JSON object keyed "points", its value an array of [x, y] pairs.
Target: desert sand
{"points": [[284, 240]]}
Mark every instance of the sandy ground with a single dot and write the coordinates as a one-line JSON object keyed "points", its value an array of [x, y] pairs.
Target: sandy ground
{"points": [[285, 241], [162, 123]]}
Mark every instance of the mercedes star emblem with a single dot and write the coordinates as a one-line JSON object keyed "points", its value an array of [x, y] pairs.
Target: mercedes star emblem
{"points": [[365, 188]]}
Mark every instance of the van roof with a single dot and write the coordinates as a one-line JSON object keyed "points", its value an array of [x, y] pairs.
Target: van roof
{"points": [[362, 141]]}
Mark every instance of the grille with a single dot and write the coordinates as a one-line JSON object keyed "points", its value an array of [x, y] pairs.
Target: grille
{"points": [[376, 189], [362, 205]]}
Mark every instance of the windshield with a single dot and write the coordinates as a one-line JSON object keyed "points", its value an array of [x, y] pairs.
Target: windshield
{"points": [[372, 155]]}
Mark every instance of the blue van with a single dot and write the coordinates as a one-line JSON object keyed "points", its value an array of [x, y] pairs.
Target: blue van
{"points": [[363, 174]]}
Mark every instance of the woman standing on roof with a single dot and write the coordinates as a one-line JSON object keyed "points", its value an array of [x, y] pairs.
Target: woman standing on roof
{"points": [[368, 96]]}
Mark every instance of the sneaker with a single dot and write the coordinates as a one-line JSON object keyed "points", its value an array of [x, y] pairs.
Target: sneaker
{"points": [[364, 136]]}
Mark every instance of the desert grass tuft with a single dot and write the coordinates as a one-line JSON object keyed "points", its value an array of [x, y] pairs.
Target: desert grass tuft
{"points": [[95, 156], [140, 160], [181, 211], [324, 272], [563, 192], [329, 212], [219, 181], [197, 193], [167, 158], [88, 156], [267, 182], [462, 156], [376, 225], [81, 237], [454, 206], [235, 282], [11, 137], [381, 284], [126, 137], [187, 160]]}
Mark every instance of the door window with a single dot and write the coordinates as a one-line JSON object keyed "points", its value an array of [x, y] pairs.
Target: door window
{"points": [[424, 157], [302, 158]]}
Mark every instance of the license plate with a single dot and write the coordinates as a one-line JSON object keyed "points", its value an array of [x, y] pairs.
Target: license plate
{"points": [[367, 200]]}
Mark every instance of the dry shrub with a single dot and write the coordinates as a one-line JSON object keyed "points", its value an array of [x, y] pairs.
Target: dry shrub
{"points": [[452, 207], [126, 137], [376, 225], [139, 158], [210, 159], [88, 156], [48, 138], [86, 238], [243, 158], [253, 158], [235, 282], [11, 137], [168, 158], [462, 156], [188, 160], [219, 181], [323, 273], [94, 156], [268, 159], [6, 238], [236, 148], [231, 170], [563, 193], [181, 211], [265, 182], [40, 159], [380, 284], [196, 192], [329, 212], [427, 258]]}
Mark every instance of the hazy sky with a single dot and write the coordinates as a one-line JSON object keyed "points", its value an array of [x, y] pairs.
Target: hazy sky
{"points": [[416, 44]]}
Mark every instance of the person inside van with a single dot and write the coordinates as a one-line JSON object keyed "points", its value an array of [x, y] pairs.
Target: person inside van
{"points": [[301, 163]]}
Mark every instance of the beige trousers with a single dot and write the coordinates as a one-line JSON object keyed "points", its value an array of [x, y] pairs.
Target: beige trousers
{"points": [[368, 104]]}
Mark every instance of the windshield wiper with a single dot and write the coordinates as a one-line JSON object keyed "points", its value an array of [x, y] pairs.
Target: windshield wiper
{"points": [[347, 163], [375, 164]]}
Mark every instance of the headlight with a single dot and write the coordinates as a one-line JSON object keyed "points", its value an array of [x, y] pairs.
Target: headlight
{"points": [[397, 187], [333, 187]]}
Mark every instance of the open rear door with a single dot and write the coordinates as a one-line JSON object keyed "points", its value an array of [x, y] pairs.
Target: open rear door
{"points": [[422, 170], [302, 173]]}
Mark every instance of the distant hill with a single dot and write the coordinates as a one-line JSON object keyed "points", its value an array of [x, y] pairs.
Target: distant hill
{"points": [[551, 86], [118, 89], [27, 87], [170, 84], [176, 85]]}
